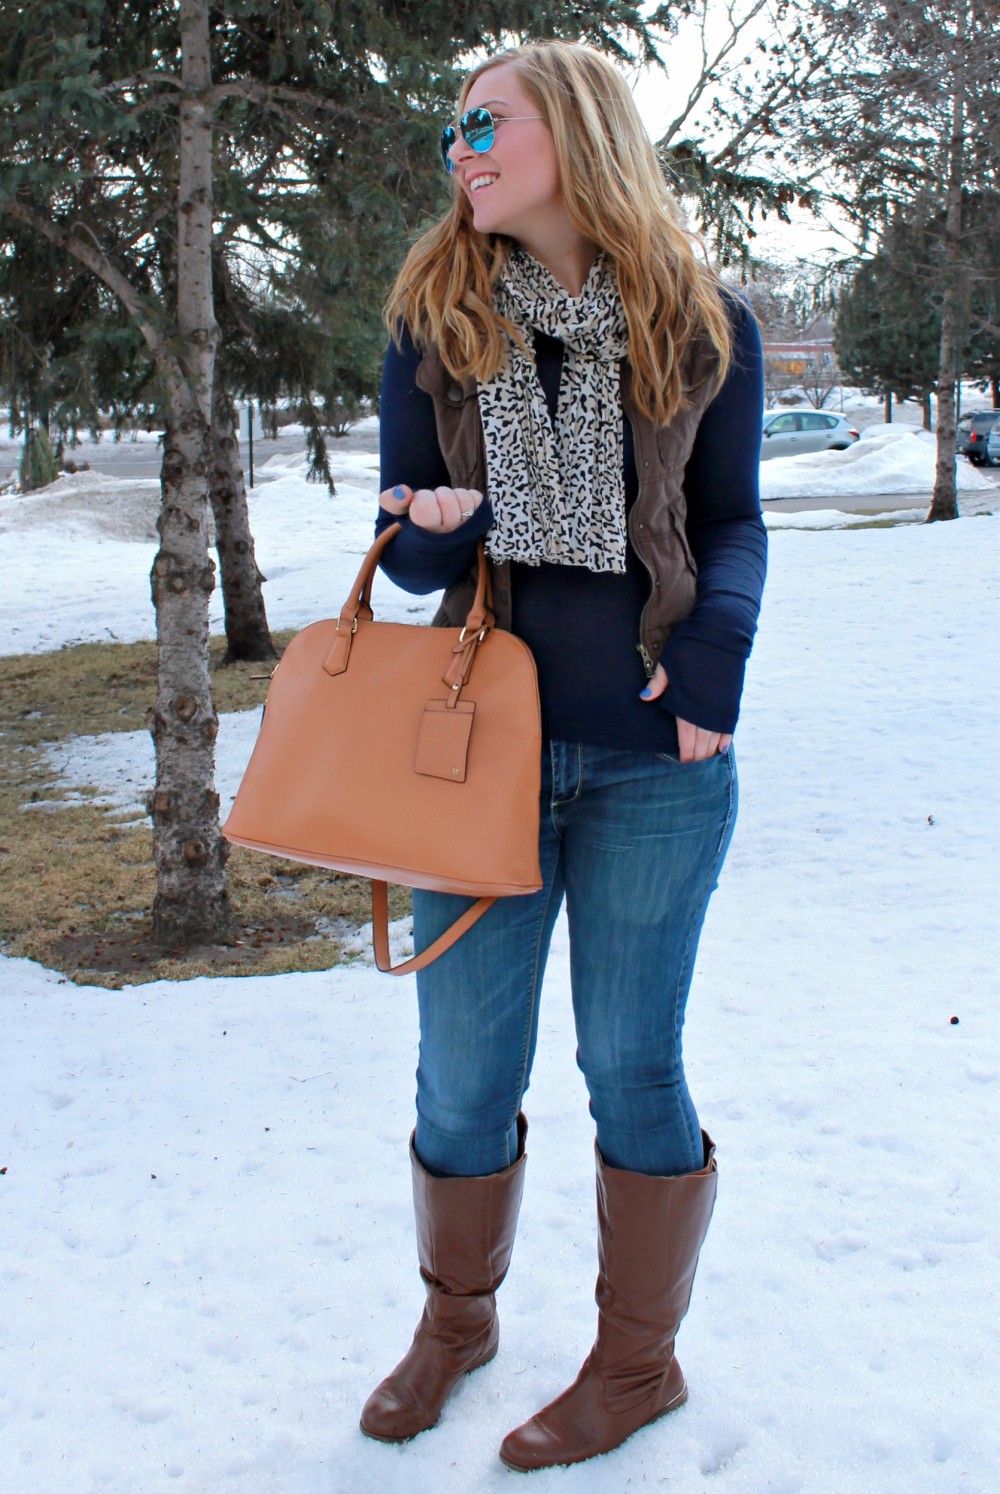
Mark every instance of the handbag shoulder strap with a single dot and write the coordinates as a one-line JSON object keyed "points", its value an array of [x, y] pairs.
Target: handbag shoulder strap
{"points": [[380, 932]]}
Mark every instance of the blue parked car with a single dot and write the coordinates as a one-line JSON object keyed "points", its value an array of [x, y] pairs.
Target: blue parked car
{"points": [[993, 446], [972, 432]]}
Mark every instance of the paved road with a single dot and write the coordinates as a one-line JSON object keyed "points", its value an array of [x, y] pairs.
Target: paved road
{"points": [[142, 460], [881, 503]]}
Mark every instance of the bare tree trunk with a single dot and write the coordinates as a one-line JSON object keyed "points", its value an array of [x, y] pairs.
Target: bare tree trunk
{"points": [[954, 308], [247, 635], [944, 503], [926, 404], [887, 406], [191, 904]]}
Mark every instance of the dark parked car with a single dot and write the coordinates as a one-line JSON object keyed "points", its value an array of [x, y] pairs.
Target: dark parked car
{"points": [[971, 433]]}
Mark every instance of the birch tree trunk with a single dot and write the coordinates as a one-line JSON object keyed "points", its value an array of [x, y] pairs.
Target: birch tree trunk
{"points": [[955, 304], [191, 904], [247, 634]]}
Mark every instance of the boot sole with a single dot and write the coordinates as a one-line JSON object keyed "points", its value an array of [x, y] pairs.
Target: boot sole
{"points": [[397, 1441], [674, 1405]]}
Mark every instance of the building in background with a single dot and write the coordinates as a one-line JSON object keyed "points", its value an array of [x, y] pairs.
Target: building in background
{"points": [[802, 368]]}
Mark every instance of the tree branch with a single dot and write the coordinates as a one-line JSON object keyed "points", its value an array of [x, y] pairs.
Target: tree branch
{"points": [[771, 99], [147, 77], [89, 252], [278, 99], [709, 69]]}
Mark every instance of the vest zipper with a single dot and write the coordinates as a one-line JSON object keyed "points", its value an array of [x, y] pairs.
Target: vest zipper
{"points": [[648, 664]]}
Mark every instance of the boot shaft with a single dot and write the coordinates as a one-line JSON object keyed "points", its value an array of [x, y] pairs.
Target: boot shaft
{"points": [[466, 1226], [650, 1234]]}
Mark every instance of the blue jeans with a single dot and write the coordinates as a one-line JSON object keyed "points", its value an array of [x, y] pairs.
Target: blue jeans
{"points": [[634, 842]]}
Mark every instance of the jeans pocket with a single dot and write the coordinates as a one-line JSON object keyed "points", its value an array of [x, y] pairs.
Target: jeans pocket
{"points": [[674, 760]]}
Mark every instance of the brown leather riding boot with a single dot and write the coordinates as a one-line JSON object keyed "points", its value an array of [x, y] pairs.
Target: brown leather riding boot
{"points": [[650, 1234], [465, 1235]]}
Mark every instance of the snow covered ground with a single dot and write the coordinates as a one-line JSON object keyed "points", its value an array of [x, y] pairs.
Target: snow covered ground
{"points": [[888, 459], [207, 1247]]}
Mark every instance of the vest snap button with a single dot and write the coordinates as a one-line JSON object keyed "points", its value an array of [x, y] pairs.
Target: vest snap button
{"points": [[455, 395]]}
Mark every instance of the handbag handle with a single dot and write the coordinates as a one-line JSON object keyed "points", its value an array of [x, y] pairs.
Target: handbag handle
{"points": [[478, 623], [358, 603]]}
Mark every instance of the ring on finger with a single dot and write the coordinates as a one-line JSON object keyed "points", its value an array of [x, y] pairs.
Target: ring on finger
{"points": [[467, 513]]}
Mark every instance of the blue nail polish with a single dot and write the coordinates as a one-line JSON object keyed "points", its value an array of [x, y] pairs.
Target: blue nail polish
{"points": [[398, 493], [646, 694]]}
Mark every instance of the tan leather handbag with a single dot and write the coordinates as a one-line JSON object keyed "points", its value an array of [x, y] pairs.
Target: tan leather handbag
{"points": [[401, 753]]}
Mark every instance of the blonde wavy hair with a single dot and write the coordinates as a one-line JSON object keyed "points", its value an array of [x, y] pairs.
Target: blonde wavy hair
{"points": [[616, 196]]}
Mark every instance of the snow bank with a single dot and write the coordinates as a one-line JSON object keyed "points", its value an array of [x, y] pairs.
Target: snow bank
{"points": [[96, 587], [895, 432], [887, 459], [835, 518]]}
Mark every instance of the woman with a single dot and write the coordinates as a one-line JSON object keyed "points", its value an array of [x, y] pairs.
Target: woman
{"points": [[570, 383]]}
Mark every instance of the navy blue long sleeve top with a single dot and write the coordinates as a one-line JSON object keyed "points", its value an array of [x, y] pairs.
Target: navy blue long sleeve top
{"points": [[581, 626]]}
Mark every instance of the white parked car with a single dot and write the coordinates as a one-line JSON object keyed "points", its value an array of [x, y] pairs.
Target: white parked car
{"points": [[790, 432]]}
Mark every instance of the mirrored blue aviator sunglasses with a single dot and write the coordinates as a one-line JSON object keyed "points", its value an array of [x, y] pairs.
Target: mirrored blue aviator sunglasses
{"points": [[479, 130]]}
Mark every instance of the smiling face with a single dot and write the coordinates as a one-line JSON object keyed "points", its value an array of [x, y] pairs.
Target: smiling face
{"points": [[514, 186]]}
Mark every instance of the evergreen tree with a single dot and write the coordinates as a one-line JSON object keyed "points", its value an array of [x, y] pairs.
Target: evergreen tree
{"points": [[143, 141], [69, 354], [882, 346], [76, 145], [982, 355], [888, 333]]}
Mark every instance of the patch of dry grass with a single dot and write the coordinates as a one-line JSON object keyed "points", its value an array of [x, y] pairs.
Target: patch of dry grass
{"points": [[76, 883]]}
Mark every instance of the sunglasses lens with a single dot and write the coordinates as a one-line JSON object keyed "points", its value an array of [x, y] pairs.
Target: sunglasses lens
{"points": [[478, 132], [477, 129], [448, 138]]}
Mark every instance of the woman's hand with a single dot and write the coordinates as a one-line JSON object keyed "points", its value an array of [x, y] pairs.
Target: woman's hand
{"points": [[694, 742], [441, 510]]}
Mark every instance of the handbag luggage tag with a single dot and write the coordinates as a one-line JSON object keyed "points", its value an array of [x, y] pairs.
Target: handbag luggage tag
{"points": [[446, 725], [443, 740]]}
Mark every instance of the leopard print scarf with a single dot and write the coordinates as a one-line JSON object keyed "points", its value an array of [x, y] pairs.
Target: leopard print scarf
{"points": [[558, 491]]}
